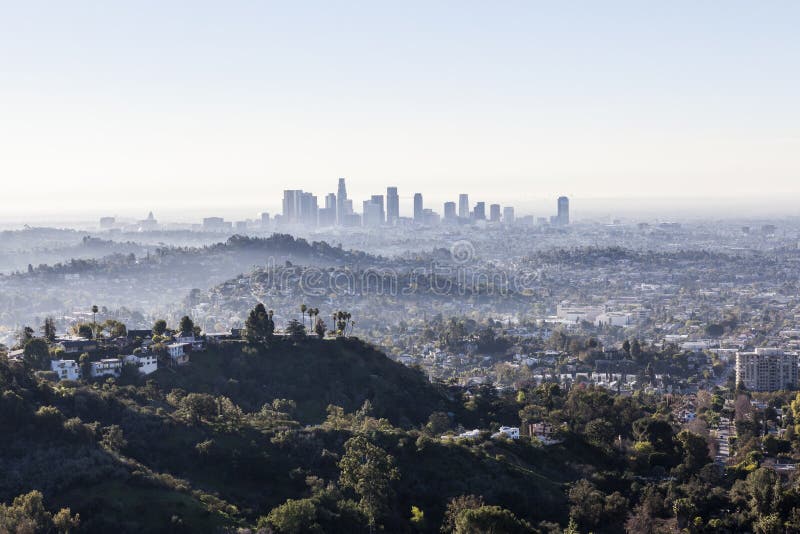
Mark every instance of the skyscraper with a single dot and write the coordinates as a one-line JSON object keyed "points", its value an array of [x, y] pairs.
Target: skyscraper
{"points": [[479, 212], [563, 211], [463, 206], [450, 211], [291, 205], [494, 212], [372, 212], [392, 205], [299, 207], [378, 201], [341, 202], [508, 215], [418, 210]]}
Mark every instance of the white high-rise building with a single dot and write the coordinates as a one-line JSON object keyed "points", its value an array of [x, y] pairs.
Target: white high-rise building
{"points": [[766, 369]]}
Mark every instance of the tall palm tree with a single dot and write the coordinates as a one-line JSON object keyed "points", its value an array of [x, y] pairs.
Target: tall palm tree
{"points": [[95, 309], [303, 309]]}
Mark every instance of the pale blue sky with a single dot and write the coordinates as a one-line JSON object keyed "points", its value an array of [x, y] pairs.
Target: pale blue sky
{"points": [[122, 107]]}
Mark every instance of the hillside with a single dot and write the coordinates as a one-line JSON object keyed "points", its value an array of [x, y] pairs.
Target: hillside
{"points": [[314, 374], [219, 443]]}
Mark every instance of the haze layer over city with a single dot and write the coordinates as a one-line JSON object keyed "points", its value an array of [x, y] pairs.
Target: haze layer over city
{"points": [[451, 267]]}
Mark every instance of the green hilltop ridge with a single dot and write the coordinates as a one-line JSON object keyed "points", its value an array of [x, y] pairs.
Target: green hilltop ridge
{"points": [[314, 374], [223, 442]]}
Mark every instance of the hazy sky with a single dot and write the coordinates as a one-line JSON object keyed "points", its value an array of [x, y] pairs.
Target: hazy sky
{"points": [[122, 107]]}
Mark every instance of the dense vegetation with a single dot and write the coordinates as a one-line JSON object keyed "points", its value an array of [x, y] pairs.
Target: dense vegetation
{"points": [[296, 434]]}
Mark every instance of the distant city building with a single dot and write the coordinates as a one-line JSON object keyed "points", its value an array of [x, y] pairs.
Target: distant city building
{"points": [[107, 222], [479, 212], [377, 200], [291, 206], [766, 369], [299, 207], [341, 203], [450, 211], [216, 224], [463, 206], [430, 217], [241, 226], [563, 211], [308, 209], [330, 202], [264, 219], [150, 223], [392, 205], [494, 212], [372, 212], [508, 215], [418, 209]]}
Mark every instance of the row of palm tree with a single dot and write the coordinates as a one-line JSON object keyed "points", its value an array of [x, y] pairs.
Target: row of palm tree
{"points": [[342, 320]]}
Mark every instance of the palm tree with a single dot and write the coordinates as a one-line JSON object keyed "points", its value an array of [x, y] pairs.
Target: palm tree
{"points": [[95, 309], [303, 309]]}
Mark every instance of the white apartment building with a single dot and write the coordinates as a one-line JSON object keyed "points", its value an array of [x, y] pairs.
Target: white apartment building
{"points": [[767, 369]]}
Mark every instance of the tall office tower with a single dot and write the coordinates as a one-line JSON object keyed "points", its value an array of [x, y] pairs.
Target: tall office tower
{"points": [[291, 205], [341, 201], [508, 215], [327, 216], [392, 205], [378, 200], [308, 209], [766, 369], [479, 212], [373, 212], [264, 219], [418, 212], [563, 211], [463, 206], [450, 211], [494, 212]]}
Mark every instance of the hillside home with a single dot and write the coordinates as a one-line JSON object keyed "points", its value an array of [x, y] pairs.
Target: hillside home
{"points": [[145, 364], [107, 367], [66, 369]]}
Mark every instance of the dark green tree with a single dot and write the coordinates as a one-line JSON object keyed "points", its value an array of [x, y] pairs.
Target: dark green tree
{"points": [[295, 330], [186, 326], [36, 354], [49, 329], [368, 470], [159, 327]]}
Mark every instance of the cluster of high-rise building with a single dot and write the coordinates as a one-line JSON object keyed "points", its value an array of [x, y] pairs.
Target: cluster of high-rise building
{"points": [[300, 207]]}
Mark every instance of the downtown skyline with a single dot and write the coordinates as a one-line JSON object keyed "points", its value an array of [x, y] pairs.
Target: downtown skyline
{"points": [[142, 107]]}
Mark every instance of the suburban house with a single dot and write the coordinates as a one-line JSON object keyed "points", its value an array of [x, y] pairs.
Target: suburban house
{"points": [[179, 352], [16, 355], [76, 344], [66, 369], [107, 367], [146, 364], [141, 334], [510, 432], [198, 344]]}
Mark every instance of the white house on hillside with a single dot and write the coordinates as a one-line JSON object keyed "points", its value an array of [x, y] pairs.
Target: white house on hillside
{"points": [[511, 432], [66, 369], [146, 364], [179, 352], [107, 367]]}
